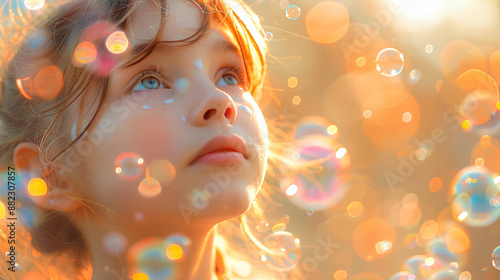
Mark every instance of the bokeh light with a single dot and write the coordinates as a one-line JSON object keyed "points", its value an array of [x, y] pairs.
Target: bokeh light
{"points": [[327, 22]]}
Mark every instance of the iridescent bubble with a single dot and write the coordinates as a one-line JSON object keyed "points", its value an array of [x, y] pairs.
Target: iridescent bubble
{"points": [[495, 258], [149, 256], [415, 76], [453, 267], [390, 62], [114, 243], [293, 12], [34, 4], [129, 166], [323, 188], [269, 36], [472, 190], [117, 42], [312, 125], [286, 251], [416, 266], [310, 212]]}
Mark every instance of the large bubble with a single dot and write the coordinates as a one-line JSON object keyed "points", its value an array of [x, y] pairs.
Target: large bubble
{"points": [[474, 194]]}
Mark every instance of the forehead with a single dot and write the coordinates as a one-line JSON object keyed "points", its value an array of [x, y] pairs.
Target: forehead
{"points": [[183, 18]]}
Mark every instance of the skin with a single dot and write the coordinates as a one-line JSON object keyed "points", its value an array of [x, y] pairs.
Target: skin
{"points": [[210, 105]]}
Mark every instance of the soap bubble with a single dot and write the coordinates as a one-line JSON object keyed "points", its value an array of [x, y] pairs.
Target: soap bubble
{"points": [[495, 256], [472, 190], [269, 36], [293, 12], [286, 249], [390, 62]]}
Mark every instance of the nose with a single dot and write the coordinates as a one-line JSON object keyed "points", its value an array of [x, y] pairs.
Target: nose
{"points": [[216, 106]]}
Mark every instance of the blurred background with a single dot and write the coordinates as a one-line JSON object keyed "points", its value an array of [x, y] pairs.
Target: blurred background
{"points": [[404, 96]]}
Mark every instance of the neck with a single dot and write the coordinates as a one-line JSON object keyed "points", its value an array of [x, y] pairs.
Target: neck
{"points": [[198, 261]]}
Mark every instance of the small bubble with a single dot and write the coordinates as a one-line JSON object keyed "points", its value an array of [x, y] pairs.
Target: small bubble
{"points": [[269, 36], [310, 212], [293, 12], [390, 62], [429, 48]]}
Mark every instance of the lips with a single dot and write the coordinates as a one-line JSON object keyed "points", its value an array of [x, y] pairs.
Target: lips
{"points": [[223, 143]]}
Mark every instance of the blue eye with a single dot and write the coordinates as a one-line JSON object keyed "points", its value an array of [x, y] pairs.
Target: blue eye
{"points": [[228, 79], [149, 82]]}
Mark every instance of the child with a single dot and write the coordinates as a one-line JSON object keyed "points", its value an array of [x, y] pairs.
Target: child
{"points": [[106, 110]]}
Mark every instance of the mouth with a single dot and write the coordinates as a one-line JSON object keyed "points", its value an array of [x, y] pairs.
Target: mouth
{"points": [[222, 149]]}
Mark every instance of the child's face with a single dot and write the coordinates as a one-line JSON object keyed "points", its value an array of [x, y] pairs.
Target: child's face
{"points": [[171, 121]]}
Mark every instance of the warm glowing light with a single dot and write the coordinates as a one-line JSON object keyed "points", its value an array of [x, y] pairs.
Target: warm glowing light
{"points": [[383, 246], [367, 113], [428, 230], [361, 61], [291, 190], [49, 82], [37, 187], [292, 82], [479, 162], [327, 22], [457, 240], [19, 83], [140, 276], [34, 4], [496, 179], [296, 100], [341, 152], [174, 252], [466, 125], [332, 129], [407, 117], [354, 209], [2, 210], [429, 48], [85, 52], [462, 216], [435, 184], [485, 141], [340, 274], [117, 42]]}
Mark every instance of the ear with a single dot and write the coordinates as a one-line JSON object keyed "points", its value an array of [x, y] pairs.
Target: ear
{"points": [[61, 194]]}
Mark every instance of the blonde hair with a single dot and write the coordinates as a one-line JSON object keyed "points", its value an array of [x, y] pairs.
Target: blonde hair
{"points": [[43, 122]]}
